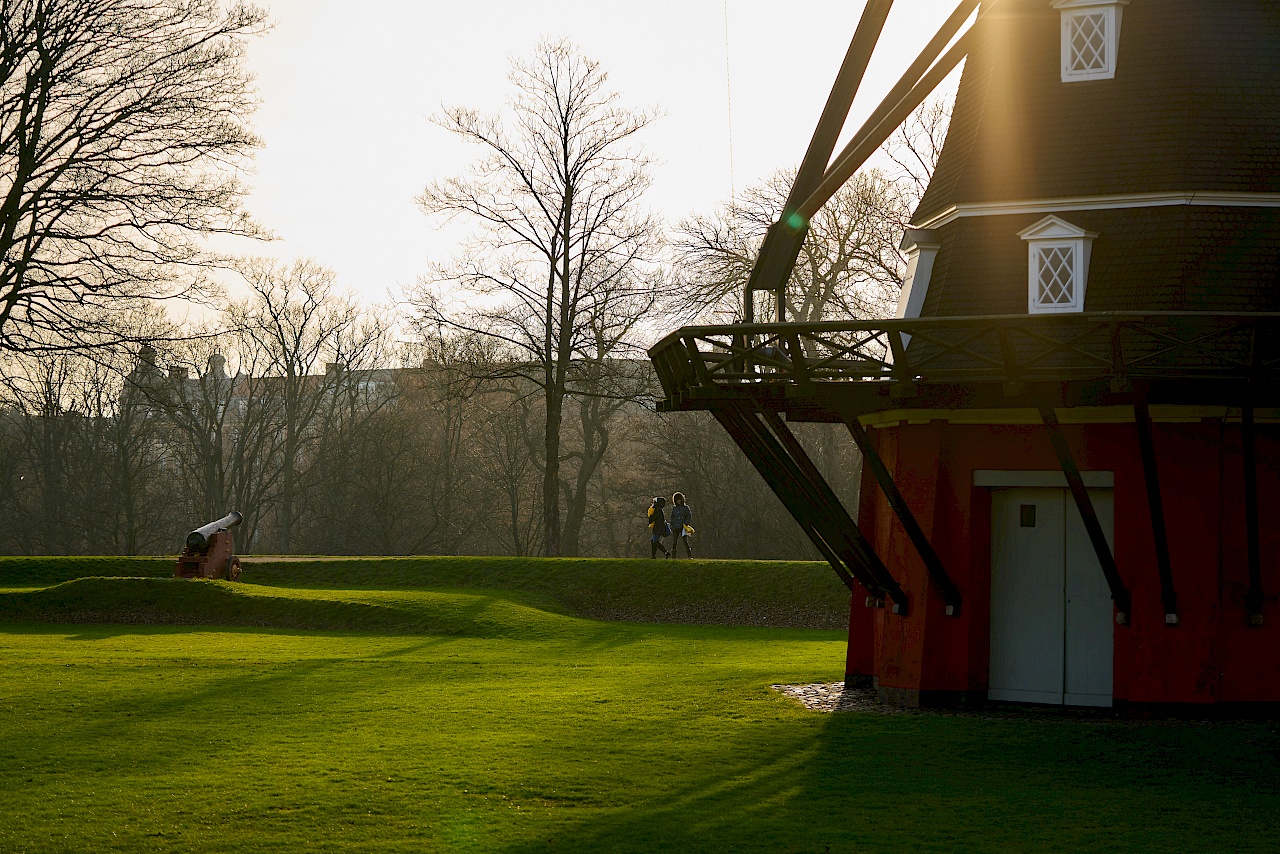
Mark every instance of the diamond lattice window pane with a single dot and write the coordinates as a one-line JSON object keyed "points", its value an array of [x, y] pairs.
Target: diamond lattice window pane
{"points": [[1088, 37], [1057, 276]]}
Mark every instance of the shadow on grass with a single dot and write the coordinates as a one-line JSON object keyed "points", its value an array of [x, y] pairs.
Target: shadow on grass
{"points": [[858, 781], [151, 601]]}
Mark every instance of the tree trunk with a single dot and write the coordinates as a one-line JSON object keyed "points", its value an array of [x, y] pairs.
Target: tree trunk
{"points": [[286, 500], [551, 473], [595, 444]]}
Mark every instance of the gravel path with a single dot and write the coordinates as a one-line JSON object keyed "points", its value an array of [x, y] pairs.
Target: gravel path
{"points": [[834, 697]]}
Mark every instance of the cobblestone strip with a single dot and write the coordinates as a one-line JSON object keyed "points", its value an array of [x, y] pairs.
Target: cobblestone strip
{"points": [[833, 697]]}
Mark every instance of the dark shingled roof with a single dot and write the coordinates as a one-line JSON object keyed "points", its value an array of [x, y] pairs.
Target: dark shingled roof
{"points": [[1179, 258], [1194, 107]]}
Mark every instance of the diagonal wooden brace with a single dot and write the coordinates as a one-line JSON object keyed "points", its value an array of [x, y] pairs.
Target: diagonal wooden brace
{"points": [[1119, 593], [791, 499], [825, 500], [1146, 446], [1253, 599], [933, 563]]}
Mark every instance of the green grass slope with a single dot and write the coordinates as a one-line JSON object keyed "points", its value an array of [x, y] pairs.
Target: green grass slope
{"points": [[139, 739], [43, 571], [796, 594], [167, 601], [793, 594]]}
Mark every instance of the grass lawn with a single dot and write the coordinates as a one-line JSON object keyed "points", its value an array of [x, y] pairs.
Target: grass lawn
{"points": [[446, 720], [799, 594]]}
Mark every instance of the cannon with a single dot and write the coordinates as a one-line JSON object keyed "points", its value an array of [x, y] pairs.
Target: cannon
{"points": [[210, 552]]}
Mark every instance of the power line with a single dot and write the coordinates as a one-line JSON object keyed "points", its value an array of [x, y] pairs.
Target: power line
{"points": [[728, 96]]}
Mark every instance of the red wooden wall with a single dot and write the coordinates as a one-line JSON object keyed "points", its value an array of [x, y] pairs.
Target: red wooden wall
{"points": [[1211, 656]]}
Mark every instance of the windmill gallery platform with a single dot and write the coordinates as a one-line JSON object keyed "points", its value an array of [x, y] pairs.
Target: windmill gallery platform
{"points": [[1071, 460]]}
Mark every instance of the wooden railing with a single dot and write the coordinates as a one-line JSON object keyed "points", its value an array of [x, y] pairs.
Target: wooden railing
{"points": [[993, 349]]}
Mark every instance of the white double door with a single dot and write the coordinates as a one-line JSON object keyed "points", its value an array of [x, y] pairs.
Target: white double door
{"points": [[1051, 614]]}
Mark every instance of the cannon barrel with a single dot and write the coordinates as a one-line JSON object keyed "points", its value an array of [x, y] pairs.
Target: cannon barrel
{"points": [[199, 538]]}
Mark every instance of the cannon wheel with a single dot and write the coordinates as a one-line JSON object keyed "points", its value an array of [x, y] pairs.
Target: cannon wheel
{"points": [[233, 568]]}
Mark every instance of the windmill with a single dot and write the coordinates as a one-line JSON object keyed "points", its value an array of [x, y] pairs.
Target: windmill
{"points": [[1066, 429]]}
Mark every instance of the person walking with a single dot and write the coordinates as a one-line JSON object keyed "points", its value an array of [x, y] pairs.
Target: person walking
{"points": [[658, 527], [681, 516]]}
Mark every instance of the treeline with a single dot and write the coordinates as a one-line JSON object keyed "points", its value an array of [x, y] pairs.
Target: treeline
{"points": [[508, 409], [426, 449]]}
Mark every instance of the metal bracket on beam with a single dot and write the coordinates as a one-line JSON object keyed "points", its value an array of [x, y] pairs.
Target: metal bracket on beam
{"points": [[937, 572], [1119, 594]]}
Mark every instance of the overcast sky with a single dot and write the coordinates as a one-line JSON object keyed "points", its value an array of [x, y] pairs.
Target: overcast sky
{"points": [[347, 91]]}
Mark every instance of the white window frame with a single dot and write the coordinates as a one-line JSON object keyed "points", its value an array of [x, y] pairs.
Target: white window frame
{"points": [[1075, 10], [922, 248], [1052, 233]]}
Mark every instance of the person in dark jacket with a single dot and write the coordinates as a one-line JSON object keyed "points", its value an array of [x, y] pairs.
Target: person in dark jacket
{"points": [[658, 527], [681, 516]]}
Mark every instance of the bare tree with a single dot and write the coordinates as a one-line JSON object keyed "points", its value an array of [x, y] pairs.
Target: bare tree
{"points": [[849, 265], [506, 450], [128, 502], [915, 147], [393, 463], [120, 124], [558, 270], [224, 445], [41, 391], [303, 329], [597, 417]]}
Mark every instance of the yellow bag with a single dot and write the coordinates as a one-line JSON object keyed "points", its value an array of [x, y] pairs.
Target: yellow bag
{"points": [[688, 529]]}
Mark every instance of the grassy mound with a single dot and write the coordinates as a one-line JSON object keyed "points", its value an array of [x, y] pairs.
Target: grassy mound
{"points": [[182, 602], [43, 571], [793, 594]]}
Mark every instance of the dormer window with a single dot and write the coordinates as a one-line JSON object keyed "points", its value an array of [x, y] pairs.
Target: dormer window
{"points": [[1090, 38], [1058, 265], [921, 246]]}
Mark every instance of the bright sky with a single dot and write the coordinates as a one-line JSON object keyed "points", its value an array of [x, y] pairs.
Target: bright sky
{"points": [[347, 91]]}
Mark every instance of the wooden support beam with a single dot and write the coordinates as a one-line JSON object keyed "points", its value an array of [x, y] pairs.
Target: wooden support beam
{"points": [[824, 497], [1119, 594], [784, 238], [784, 493], [795, 352], [933, 563], [920, 79], [1013, 386], [823, 508], [1253, 599], [811, 502], [791, 500], [901, 362], [1146, 446]]}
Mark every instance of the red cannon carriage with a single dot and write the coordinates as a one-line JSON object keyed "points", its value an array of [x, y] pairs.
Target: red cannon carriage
{"points": [[210, 552]]}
